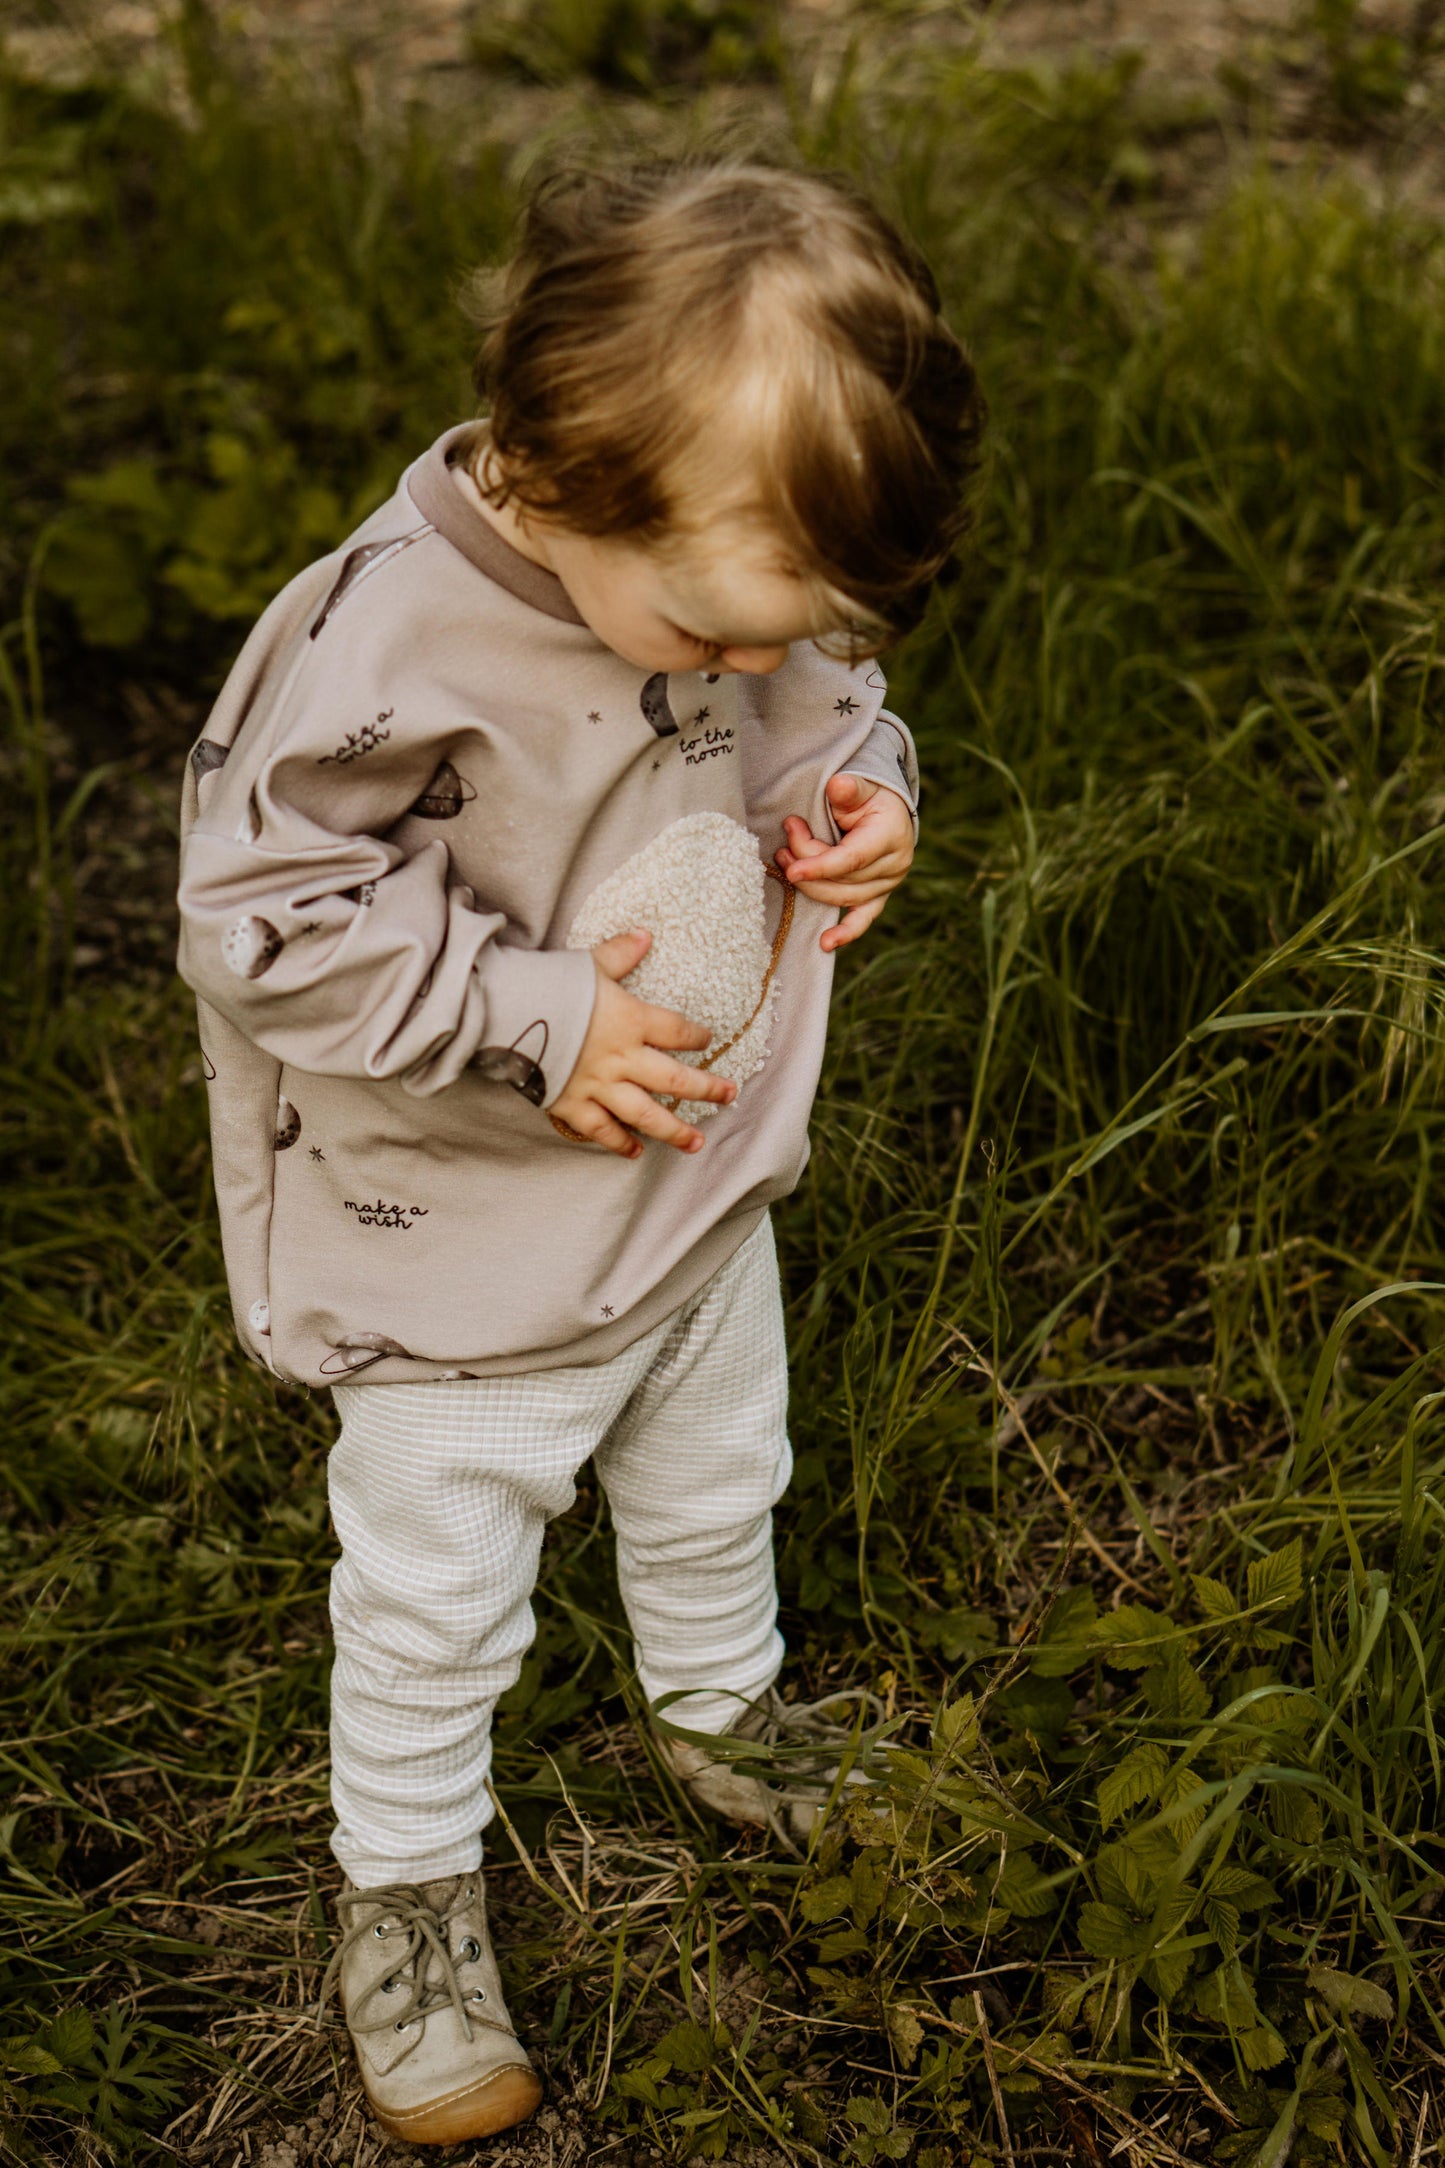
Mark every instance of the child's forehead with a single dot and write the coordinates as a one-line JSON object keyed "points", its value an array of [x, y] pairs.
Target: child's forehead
{"points": [[735, 585]]}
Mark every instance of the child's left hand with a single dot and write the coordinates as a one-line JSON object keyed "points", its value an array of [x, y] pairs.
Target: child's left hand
{"points": [[860, 873]]}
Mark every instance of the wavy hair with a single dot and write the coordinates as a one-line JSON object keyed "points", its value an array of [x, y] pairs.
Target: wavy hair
{"points": [[666, 331]]}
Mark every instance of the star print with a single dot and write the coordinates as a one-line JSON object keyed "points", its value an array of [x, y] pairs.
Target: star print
{"points": [[656, 765], [702, 715], [607, 1309], [845, 706], [313, 925], [594, 715], [316, 1152]]}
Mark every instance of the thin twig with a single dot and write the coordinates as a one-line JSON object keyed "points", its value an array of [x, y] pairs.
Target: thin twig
{"points": [[993, 2085]]}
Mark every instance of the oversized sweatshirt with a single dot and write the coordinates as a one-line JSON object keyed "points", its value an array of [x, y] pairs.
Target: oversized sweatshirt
{"points": [[423, 777]]}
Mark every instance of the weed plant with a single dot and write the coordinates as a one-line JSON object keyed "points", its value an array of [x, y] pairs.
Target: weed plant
{"points": [[1114, 1281]]}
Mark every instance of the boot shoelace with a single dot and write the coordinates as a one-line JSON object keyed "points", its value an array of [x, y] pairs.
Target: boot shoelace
{"points": [[424, 1963]]}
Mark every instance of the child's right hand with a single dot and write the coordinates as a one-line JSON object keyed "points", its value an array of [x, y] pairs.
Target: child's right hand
{"points": [[609, 1094]]}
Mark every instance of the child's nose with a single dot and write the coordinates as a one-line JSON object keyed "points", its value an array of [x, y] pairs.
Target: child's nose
{"points": [[756, 661]]}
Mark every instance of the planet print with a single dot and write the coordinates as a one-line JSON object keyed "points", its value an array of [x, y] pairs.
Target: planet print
{"points": [[288, 1125], [251, 946], [207, 757], [359, 1350], [258, 1317], [656, 707], [444, 796]]}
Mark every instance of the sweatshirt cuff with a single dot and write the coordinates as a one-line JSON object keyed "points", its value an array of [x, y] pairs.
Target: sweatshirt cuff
{"points": [[539, 1005], [887, 757]]}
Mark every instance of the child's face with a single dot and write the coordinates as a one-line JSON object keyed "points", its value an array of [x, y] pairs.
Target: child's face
{"points": [[721, 602]]}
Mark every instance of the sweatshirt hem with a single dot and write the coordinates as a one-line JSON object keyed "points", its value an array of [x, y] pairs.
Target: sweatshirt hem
{"points": [[707, 1256]]}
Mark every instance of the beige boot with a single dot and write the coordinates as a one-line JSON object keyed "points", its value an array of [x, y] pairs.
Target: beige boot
{"points": [[424, 2008], [779, 1763]]}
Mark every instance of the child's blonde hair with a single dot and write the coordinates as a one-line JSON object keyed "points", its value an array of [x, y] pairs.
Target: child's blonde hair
{"points": [[667, 329]]}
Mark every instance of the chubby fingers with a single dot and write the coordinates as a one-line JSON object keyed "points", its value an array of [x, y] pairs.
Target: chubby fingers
{"points": [[668, 1029], [851, 925], [619, 1115], [862, 852], [874, 848], [846, 894], [675, 1080]]}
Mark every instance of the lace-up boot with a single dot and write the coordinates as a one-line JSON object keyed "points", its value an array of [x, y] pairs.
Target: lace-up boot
{"points": [[778, 1765], [423, 2001]]}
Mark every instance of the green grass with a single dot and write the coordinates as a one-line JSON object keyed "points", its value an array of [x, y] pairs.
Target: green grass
{"points": [[1115, 1281]]}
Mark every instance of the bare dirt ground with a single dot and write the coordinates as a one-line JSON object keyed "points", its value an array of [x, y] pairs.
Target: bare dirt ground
{"points": [[1282, 81]]}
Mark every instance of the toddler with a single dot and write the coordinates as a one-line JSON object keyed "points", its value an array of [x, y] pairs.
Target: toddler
{"points": [[511, 1039]]}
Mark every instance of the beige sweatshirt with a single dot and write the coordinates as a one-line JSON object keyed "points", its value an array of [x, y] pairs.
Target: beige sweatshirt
{"points": [[423, 773]]}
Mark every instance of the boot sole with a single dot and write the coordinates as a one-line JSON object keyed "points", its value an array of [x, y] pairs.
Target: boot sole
{"points": [[508, 2097]]}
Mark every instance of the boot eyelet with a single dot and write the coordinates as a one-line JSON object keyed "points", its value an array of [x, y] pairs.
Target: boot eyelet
{"points": [[403, 2024], [470, 1950], [388, 1986], [478, 1994], [380, 1930]]}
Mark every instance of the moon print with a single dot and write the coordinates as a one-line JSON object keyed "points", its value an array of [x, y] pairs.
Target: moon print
{"points": [[258, 1317], [444, 796], [207, 756], [208, 1067], [251, 946], [288, 1125], [655, 705], [359, 1350]]}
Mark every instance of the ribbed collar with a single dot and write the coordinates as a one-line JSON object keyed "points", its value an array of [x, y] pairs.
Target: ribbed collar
{"points": [[438, 500]]}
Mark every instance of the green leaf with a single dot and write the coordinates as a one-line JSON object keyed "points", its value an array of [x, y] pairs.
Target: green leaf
{"points": [[1215, 1600], [843, 1942], [958, 1633], [956, 1726], [1064, 1642], [1106, 1931], [686, 2047], [31, 2060], [868, 1881], [1166, 1971], [1295, 1814], [1042, 1706], [1022, 1887], [1227, 1995], [1222, 1921], [825, 1900], [1132, 1636], [71, 2035], [1123, 1878], [1182, 1784], [1174, 1689], [1278, 1577], [1350, 1996], [906, 2032], [1323, 2107], [869, 2112], [1262, 2047], [1248, 1891], [1136, 1778]]}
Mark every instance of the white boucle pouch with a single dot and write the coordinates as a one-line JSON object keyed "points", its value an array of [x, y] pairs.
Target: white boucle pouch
{"points": [[700, 890]]}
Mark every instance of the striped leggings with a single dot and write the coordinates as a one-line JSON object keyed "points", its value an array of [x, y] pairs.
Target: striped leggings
{"points": [[440, 1493]]}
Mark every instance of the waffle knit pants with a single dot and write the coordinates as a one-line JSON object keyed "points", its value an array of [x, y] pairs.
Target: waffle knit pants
{"points": [[440, 1493]]}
